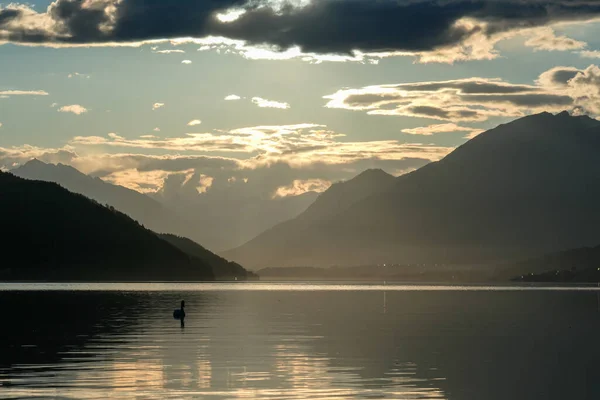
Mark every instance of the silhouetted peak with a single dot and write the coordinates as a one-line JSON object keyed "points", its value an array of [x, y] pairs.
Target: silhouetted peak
{"points": [[371, 174], [34, 162], [563, 114]]}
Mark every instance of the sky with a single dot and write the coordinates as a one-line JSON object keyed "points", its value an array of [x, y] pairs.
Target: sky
{"points": [[277, 98]]}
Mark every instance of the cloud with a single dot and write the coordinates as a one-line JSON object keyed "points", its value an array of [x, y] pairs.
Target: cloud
{"points": [[546, 39], [433, 30], [440, 128], [590, 54], [156, 106], [74, 108], [224, 180], [557, 77], [186, 62], [584, 87], [12, 157], [299, 144], [78, 75], [148, 137], [194, 122], [113, 135], [157, 129], [171, 51], [232, 97], [9, 93], [264, 103], [475, 99], [298, 187], [0, 124]]}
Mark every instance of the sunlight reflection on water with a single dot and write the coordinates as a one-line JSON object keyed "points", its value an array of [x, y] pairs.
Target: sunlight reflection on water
{"points": [[278, 286], [292, 341]]}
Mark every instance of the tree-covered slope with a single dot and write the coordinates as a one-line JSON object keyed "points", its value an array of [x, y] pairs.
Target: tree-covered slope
{"points": [[50, 233]]}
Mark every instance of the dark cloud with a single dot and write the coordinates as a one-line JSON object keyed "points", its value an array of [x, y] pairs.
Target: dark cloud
{"points": [[358, 100], [322, 26], [564, 76], [435, 112], [526, 100], [468, 87], [8, 15]]}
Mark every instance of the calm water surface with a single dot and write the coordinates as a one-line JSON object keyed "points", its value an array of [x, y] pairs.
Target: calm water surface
{"points": [[278, 341]]}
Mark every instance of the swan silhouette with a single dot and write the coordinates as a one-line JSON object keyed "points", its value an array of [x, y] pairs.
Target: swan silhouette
{"points": [[180, 312]]}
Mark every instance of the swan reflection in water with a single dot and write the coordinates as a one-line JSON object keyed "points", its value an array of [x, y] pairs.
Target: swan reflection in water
{"points": [[179, 313]]}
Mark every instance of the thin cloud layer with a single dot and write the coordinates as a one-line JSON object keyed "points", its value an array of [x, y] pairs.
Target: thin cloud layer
{"points": [[434, 30], [441, 128], [8, 93], [194, 122], [299, 186], [300, 144], [156, 106], [476, 99]]}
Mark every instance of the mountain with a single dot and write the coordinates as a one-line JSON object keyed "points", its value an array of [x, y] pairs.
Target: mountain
{"points": [[574, 265], [524, 188], [222, 269], [217, 221], [234, 217], [49, 233], [339, 197], [137, 205], [342, 195]]}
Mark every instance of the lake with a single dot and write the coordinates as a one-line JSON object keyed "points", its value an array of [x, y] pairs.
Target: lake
{"points": [[298, 341]]}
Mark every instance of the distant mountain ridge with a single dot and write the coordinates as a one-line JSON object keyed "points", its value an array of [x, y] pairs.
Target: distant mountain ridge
{"points": [[342, 195], [581, 265], [523, 188], [50, 233], [137, 205], [217, 224]]}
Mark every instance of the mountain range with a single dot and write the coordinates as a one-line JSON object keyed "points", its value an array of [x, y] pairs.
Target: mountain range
{"points": [[50, 233], [519, 190], [218, 222]]}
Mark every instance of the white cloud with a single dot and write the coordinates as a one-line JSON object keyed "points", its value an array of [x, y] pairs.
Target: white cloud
{"points": [[194, 122], [186, 62], [440, 128], [23, 93], [113, 135], [157, 129], [264, 103], [53, 105], [546, 39], [232, 97], [78, 75], [0, 124], [173, 51], [148, 137], [156, 106], [73, 108], [298, 187], [230, 15], [590, 54]]}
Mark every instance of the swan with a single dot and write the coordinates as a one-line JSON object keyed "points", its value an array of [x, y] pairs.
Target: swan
{"points": [[180, 312]]}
